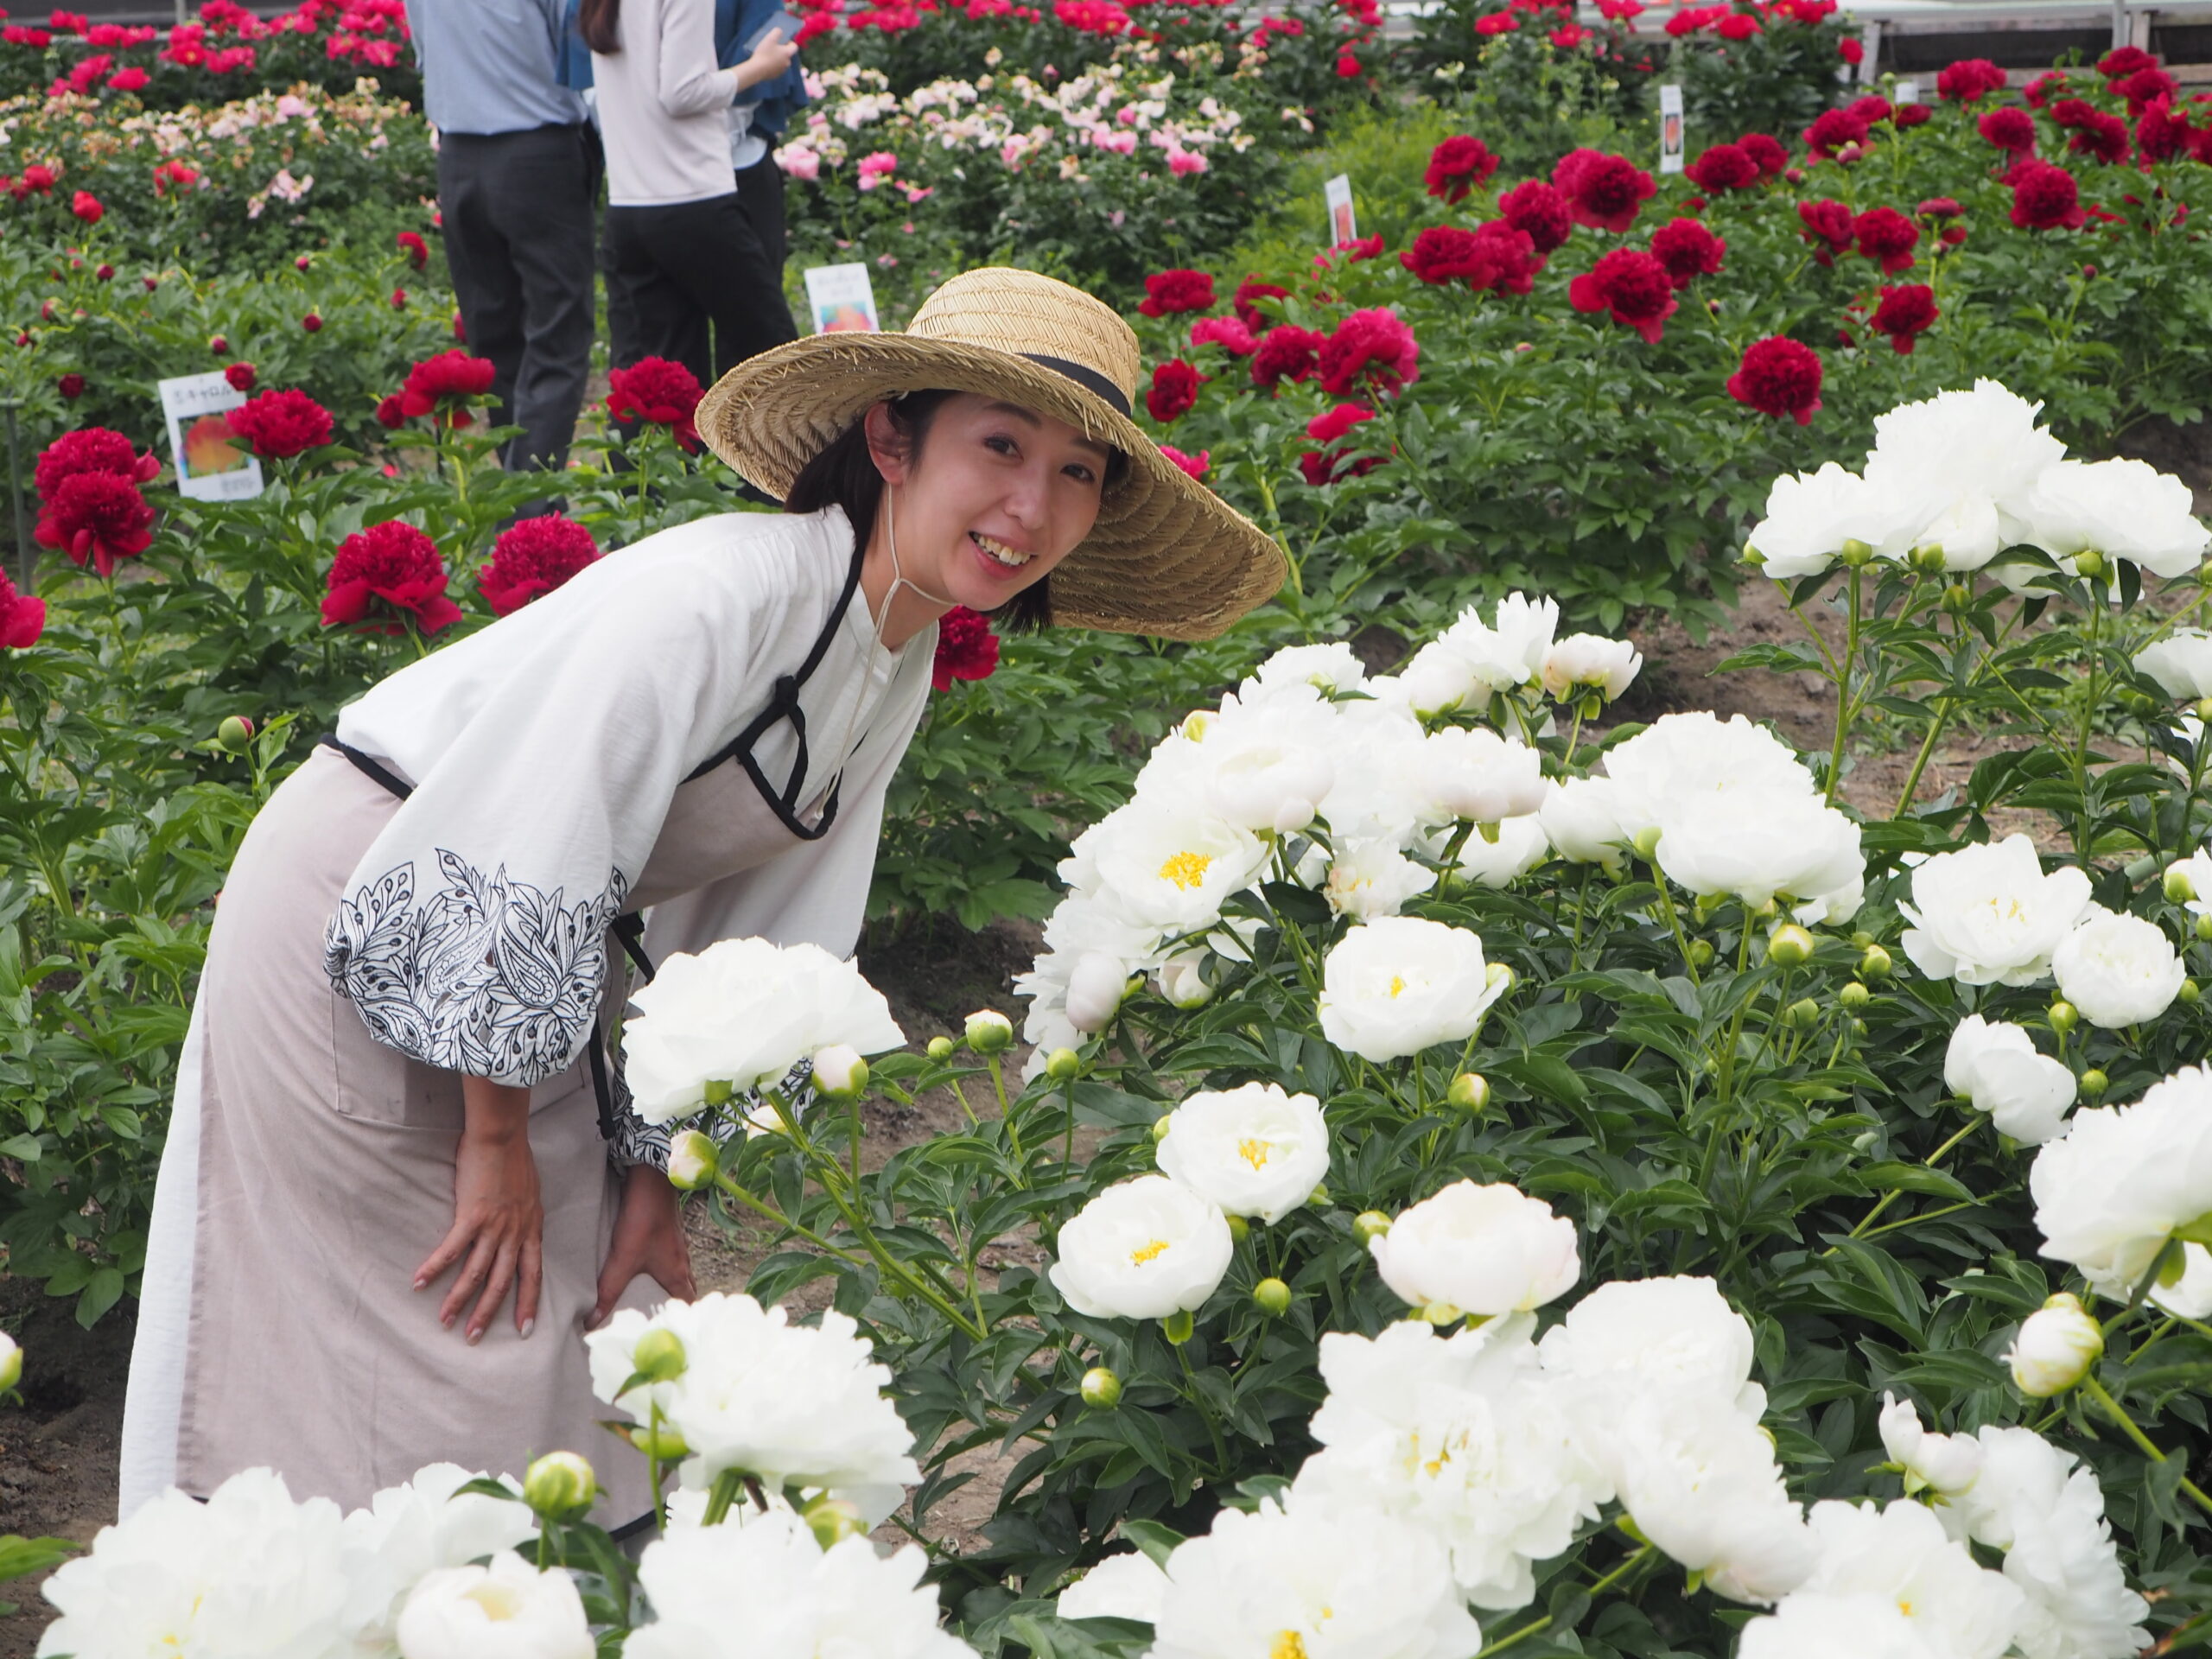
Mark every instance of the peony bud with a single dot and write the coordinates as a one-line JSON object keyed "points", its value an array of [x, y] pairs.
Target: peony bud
{"points": [[659, 1355], [1957, 598], [667, 1447], [2093, 1083], [717, 1091], [2090, 564], [1874, 962], [1803, 1015], [1440, 1314], [2204, 927], [1063, 1064], [1855, 553], [1160, 1126], [559, 1484], [2179, 889], [833, 1520], [218, 345], [990, 1032], [692, 1160], [1470, 1092], [235, 735], [1854, 995], [1789, 946], [940, 1048], [1101, 1388], [1927, 558], [1238, 1229], [1179, 1328], [1183, 983], [1701, 953], [2064, 1016], [11, 1362], [840, 1073], [302, 262], [1272, 1296], [1095, 988], [1369, 1225], [2056, 1345], [2190, 992], [1318, 1196]]}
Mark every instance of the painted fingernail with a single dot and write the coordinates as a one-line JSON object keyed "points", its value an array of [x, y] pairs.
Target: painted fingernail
{"points": [[528, 1325], [419, 1283], [475, 1337]]}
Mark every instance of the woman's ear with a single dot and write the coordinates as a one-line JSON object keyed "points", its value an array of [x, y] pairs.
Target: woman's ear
{"points": [[887, 447]]}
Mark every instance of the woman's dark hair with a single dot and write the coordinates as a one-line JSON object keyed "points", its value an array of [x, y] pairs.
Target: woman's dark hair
{"points": [[844, 475], [600, 21]]}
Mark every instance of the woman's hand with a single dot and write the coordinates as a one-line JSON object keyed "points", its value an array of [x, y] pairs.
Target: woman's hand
{"points": [[498, 1217], [648, 1239], [770, 59]]}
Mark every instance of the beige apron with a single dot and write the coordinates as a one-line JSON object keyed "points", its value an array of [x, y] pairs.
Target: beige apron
{"points": [[325, 1177]]}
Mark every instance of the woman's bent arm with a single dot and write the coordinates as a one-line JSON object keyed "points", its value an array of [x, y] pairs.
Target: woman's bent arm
{"points": [[499, 1215]]}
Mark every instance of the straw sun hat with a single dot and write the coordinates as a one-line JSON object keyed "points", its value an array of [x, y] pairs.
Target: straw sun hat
{"points": [[1167, 556]]}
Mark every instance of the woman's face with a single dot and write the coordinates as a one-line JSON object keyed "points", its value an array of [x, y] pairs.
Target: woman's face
{"points": [[997, 497]]}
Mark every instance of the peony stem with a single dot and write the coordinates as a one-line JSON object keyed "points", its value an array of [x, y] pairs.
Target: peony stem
{"points": [[1844, 711], [1605, 1583], [1890, 1197], [2143, 1442], [723, 1495]]}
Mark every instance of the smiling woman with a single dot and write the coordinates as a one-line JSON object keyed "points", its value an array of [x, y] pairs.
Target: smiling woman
{"points": [[416, 957]]}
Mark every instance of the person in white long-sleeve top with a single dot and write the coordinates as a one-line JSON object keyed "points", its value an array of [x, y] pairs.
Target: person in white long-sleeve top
{"points": [[687, 277]]}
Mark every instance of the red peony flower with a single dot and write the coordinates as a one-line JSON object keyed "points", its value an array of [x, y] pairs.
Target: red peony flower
{"points": [[1368, 348], [71, 386], [966, 648], [1872, 109], [2073, 112], [1603, 190], [384, 573], [1766, 151], [133, 79], [1688, 250], [417, 251], [2146, 87], [2124, 60], [399, 299], [1738, 26], [1829, 225], [391, 413], [1174, 389], [1287, 352], [1540, 211], [240, 375], [1904, 313], [1227, 332], [1779, 377], [105, 274], [312, 323], [2044, 87], [92, 449], [23, 617], [1364, 247], [1633, 287], [1912, 115], [2044, 198], [1495, 255], [2010, 130], [1249, 293], [1851, 51], [1969, 79], [534, 556], [1723, 167], [282, 424], [2104, 137], [654, 389], [1939, 207], [1833, 132], [99, 517], [1497, 22], [447, 379], [86, 205], [1196, 466], [1887, 236], [1320, 467], [1173, 291], [2160, 135], [1456, 166], [1327, 428]]}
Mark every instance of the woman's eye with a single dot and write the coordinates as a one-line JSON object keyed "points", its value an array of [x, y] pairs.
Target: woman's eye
{"points": [[1080, 472], [1002, 445]]}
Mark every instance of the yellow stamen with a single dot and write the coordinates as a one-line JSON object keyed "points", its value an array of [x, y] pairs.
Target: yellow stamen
{"points": [[1144, 1253], [1397, 986], [1186, 870], [1253, 1152], [1287, 1644]]}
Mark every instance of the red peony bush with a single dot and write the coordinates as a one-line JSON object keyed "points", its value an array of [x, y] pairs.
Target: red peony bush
{"points": [[96, 517], [282, 424], [1903, 314], [1688, 250], [1174, 291], [534, 556], [440, 384], [1370, 349], [658, 392], [1631, 287], [1175, 388], [1456, 168], [385, 576], [1603, 191], [1779, 377]]}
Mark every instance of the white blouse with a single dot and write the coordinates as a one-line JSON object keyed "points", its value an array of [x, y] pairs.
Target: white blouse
{"points": [[544, 754], [664, 106]]}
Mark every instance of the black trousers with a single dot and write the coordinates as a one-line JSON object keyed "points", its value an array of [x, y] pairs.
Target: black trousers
{"points": [[760, 193], [517, 208], [694, 283]]}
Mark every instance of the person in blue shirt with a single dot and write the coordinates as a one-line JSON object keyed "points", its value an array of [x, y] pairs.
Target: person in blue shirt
{"points": [[518, 175]]}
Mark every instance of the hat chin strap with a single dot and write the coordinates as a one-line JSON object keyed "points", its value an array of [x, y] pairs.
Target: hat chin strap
{"points": [[897, 578]]}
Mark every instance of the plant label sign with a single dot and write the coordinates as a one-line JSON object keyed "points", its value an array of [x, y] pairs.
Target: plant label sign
{"points": [[1343, 227], [1670, 129], [212, 464], [842, 300], [1908, 92]]}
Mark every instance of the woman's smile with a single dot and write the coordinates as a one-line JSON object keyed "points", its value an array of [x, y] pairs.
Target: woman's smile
{"points": [[1001, 560]]}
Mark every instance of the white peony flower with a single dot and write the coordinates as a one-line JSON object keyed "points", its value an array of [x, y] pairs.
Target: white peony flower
{"points": [[1144, 1249], [1436, 680], [1126, 1586], [1374, 798], [1508, 651], [248, 1572], [2122, 509], [1267, 773], [505, 1609], [1397, 985], [792, 1404], [2059, 1553], [1249, 1151], [1312, 1578], [2056, 1345], [2110, 1192], [2190, 1295], [1482, 1249], [1811, 515], [1473, 773], [1520, 847], [1590, 662], [1944, 1464], [1679, 758], [1759, 845], [744, 1012], [1812, 1624], [1462, 1436], [1960, 466], [1988, 914], [1995, 1065], [2181, 663], [1580, 818], [1370, 879], [1959, 1607], [1165, 865], [1700, 1480], [1330, 668], [1095, 991], [1182, 979], [410, 1531], [2118, 969], [1633, 1339], [766, 1590]]}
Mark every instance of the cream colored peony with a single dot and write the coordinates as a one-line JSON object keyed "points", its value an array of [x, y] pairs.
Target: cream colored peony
{"points": [[1481, 1249], [1145, 1249], [1393, 987], [1251, 1151]]}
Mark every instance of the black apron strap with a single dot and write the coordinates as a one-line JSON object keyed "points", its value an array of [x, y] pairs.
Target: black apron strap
{"points": [[390, 781]]}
